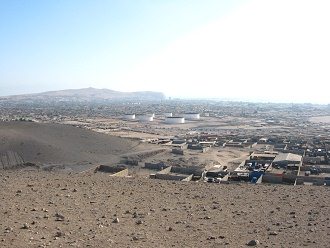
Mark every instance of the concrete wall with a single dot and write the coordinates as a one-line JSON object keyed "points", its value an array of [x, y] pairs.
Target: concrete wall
{"points": [[289, 178], [311, 179], [116, 171], [272, 178], [187, 179], [195, 170], [323, 169], [173, 177], [122, 173], [158, 166], [177, 151], [165, 171]]}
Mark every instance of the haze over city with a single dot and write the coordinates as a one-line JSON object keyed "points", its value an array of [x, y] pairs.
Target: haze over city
{"points": [[254, 50]]}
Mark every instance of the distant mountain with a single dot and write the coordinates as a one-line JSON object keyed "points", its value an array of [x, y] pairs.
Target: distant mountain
{"points": [[88, 94]]}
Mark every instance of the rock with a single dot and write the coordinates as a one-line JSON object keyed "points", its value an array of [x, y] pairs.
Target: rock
{"points": [[253, 242], [25, 226], [169, 228], [59, 234], [59, 217], [273, 233], [8, 229], [135, 215], [139, 222], [116, 220]]}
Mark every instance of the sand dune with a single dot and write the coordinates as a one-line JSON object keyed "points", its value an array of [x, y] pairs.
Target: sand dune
{"points": [[54, 143]]}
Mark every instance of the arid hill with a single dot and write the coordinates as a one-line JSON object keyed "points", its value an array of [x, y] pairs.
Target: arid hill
{"points": [[62, 144], [88, 94]]}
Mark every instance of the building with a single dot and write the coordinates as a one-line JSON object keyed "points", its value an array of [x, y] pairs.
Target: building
{"points": [[284, 159], [168, 114]]}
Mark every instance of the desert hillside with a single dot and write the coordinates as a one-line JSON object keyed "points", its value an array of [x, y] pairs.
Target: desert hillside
{"points": [[63, 144], [40, 209], [88, 94]]}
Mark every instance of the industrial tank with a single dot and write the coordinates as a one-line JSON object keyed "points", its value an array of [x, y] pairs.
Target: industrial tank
{"points": [[129, 117], [145, 118], [174, 120], [192, 116]]}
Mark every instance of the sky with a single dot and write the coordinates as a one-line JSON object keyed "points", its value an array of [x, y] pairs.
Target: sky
{"points": [[254, 50]]}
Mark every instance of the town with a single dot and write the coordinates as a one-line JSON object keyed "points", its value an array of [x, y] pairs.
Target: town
{"points": [[199, 140]]}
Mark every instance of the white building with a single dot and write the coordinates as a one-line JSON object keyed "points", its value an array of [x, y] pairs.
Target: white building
{"points": [[174, 120], [168, 114], [192, 116], [129, 117]]}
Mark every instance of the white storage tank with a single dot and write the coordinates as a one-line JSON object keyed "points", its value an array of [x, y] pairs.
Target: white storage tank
{"points": [[168, 114], [129, 117], [145, 118], [192, 116], [174, 120]]}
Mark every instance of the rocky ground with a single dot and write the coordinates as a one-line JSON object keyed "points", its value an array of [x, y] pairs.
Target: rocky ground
{"points": [[49, 209]]}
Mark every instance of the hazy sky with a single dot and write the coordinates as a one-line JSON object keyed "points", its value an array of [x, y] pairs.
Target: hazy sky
{"points": [[270, 50]]}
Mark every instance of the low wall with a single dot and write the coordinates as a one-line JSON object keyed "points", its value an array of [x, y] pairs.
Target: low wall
{"points": [[311, 179], [323, 169], [165, 171], [122, 173], [177, 151], [272, 178], [289, 178], [187, 179], [115, 171], [173, 177], [195, 170], [152, 166]]}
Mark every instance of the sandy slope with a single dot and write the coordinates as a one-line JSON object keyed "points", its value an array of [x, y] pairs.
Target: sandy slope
{"points": [[53, 143], [61, 210]]}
